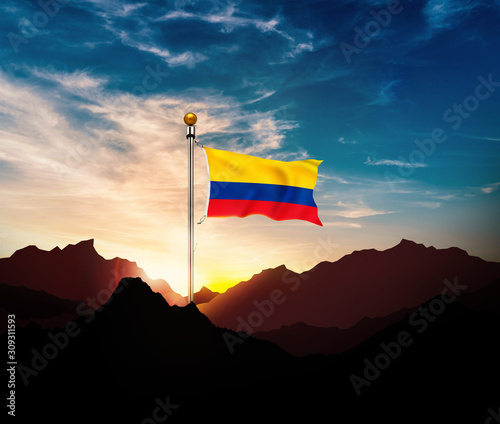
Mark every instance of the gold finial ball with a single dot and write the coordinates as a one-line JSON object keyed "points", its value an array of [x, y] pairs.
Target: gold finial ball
{"points": [[190, 118]]}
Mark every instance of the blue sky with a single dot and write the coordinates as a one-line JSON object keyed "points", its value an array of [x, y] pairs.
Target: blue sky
{"points": [[400, 99]]}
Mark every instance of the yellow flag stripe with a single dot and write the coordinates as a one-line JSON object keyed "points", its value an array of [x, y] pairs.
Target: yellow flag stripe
{"points": [[239, 168]]}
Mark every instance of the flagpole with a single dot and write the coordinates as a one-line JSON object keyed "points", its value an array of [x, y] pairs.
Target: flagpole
{"points": [[190, 120]]}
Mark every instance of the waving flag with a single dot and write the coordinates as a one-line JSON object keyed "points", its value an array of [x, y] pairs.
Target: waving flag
{"points": [[243, 185]]}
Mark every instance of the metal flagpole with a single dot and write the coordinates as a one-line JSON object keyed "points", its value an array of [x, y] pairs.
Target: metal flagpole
{"points": [[190, 120]]}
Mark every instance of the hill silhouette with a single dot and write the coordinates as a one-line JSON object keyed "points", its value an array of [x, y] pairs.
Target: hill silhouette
{"points": [[137, 354], [35, 306], [75, 272], [133, 347], [364, 284], [301, 339]]}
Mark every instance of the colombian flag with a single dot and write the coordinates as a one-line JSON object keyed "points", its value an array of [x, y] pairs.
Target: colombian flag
{"points": [[243, 185]]}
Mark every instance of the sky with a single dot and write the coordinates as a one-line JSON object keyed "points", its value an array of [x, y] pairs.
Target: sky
{"points": [[400, 99]]}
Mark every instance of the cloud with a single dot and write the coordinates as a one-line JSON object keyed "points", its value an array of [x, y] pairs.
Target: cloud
{"points": [[445, 14], [429, 205], [144, 32], [342, 225], [344, 141], [133, 28], [268, 132], [355, 210], [116, 8], [476, 137], [230, 19], [392, 162], [300, 48], [76, 82], [187, 58], [323, 177], [490, 188], [263, 95], [386, 94], [227, 19]]}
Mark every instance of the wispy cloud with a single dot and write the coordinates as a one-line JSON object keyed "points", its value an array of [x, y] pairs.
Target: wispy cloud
{"points": [[187, 58], [76, 82], [116, 8], [476, 137], [428, 204], [323, 177], [386, 94], [262, 96], [231, 18], [355, 210], [490, 188], [228, 19], [344, 141], [347, 225], [445, 14], [301, 48], [394, 162]]}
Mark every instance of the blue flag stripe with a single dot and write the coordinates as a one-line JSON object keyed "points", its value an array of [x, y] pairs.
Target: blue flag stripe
{"points": [[264, 192]]}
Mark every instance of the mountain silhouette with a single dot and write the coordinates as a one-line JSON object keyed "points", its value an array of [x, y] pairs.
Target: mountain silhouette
{"points": [[75, 272], [301, 339], [133, 348], [137, 355], [35, 306], [205, 295], [364, 284]]}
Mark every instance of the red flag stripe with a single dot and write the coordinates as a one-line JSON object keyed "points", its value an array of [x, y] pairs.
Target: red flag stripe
{"points": [[278, 211]]}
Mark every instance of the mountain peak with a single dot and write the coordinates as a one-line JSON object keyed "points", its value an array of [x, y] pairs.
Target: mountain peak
{"points": [[409, 246], [405, 244], [134, 286], [83, 245], [133, 294], [270, 271], [408, 243], [205, 290], [28, 250], [205, 295], [84, 249]]}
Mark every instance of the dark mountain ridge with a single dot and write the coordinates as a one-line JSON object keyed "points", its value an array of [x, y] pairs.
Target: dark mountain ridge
{"points": [[75, 272], [364, 284], [134, 347], [35, 306], [137, 352], [26, 303]]}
